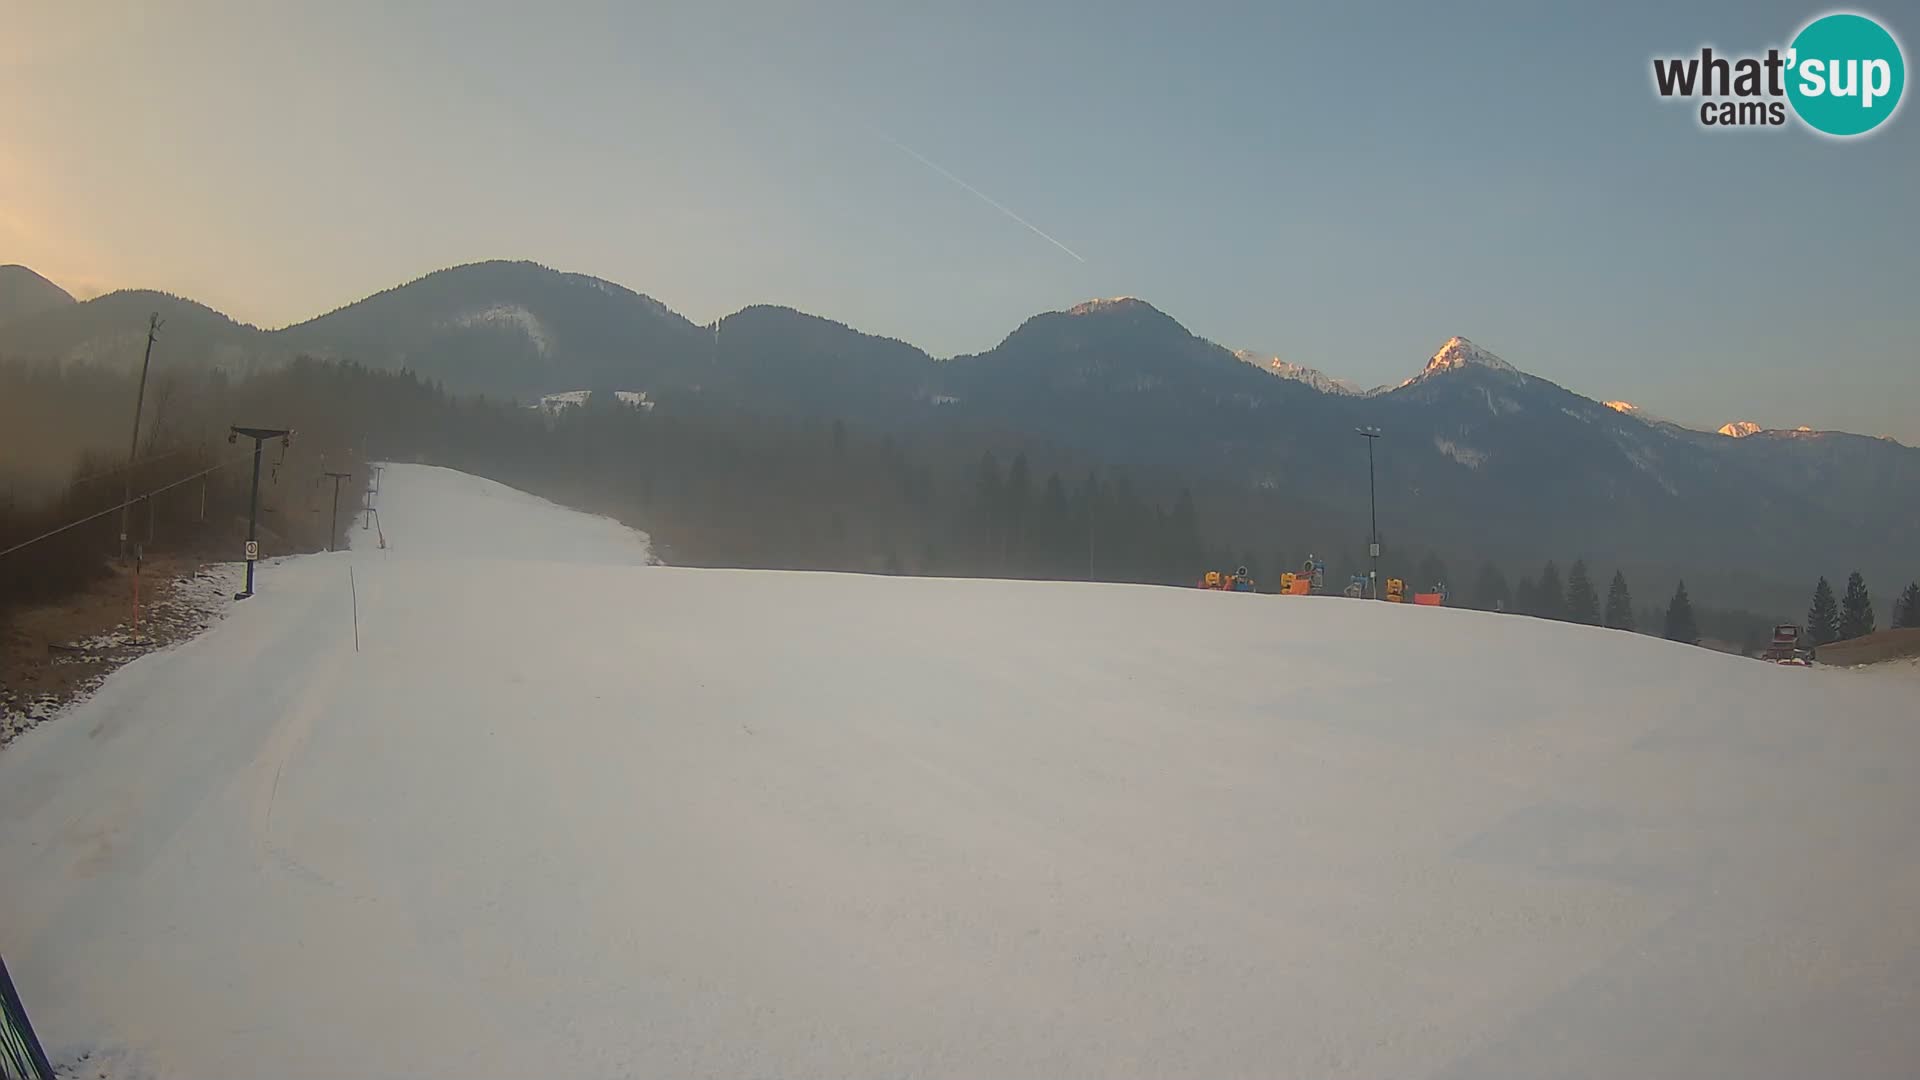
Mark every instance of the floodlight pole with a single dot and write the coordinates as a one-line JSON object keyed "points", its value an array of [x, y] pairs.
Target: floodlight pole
{"points": [[1373, 511], [259, 436]]}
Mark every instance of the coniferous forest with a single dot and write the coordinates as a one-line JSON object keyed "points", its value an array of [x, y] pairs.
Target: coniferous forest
{"points": [[713, 487]]}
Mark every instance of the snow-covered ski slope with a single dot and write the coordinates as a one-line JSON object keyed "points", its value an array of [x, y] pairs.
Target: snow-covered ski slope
{"points": [[567, 814]]}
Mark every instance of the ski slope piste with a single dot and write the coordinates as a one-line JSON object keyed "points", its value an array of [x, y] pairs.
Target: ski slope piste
{"points": [[565, 813]]}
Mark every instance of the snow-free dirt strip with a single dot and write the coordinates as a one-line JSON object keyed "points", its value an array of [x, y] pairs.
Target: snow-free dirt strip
{"points": [[569, 814]]}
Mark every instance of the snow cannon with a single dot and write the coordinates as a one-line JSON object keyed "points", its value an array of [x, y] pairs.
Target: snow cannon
{"points": [[1292, 584], [1212, 580], [1434, 597], [1396, 591]]}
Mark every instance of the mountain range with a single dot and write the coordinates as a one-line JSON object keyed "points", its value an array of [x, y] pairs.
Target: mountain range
{"points": [[1478, 458]]}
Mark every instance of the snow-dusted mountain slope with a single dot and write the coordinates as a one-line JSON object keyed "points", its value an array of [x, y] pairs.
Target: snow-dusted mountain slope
{"points": [[1287, 369], [1457, 354]]}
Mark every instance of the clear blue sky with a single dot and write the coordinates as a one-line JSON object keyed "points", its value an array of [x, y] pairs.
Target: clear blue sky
{"points": [[1344, 185]]}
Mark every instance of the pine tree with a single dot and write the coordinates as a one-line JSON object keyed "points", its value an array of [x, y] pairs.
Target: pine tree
{"points": [[1056, 540], [1184, 536], [1089, 519], [1823, 618], [1490, 590], [1583, 606], [1619, 603], [1525, 596], [1550, 597], [1019, 503], [990, 499], [1680, 625], [1907, 614], [1856, 609]]}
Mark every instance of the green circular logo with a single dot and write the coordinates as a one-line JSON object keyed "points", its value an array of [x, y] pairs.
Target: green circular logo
{"points": [[1845, 73]]}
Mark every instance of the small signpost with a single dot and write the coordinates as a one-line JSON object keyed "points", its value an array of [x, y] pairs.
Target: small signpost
{"points": [[253, 551]]}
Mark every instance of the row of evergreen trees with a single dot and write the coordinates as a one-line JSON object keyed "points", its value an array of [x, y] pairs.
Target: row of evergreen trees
{"points": [[727, 488], [1578, 600], [193, 487], [1852, 616], [713, 486], [1103, 529], [1546, 597]]}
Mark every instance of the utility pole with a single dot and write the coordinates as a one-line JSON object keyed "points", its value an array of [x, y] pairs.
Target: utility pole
{"points": [[259, 436], [1373, 511], [133, 447], [333, 523]]}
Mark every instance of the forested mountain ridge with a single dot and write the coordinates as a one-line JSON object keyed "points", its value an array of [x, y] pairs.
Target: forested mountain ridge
{"points": [[1478, 458]]}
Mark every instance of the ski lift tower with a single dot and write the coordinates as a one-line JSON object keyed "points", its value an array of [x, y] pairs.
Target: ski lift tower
{"points": [[259, 436], [333, 522]]}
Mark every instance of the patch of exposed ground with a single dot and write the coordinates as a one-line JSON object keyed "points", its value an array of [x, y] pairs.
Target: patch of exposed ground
{"points": [[1872, 649], [55, 654]]}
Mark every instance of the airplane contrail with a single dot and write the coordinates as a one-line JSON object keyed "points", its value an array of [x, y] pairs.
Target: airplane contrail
{"points": [[983, 196]]}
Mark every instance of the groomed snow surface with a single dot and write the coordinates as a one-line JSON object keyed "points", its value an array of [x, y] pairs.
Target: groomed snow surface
{"points": [[565, 814]]}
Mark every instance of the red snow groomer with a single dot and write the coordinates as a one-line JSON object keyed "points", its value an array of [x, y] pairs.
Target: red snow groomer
{"points": [[1785, 648]]}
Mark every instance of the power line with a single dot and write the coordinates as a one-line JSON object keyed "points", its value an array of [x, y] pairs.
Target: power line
{"points": [[117, 469], [121, 505]]}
